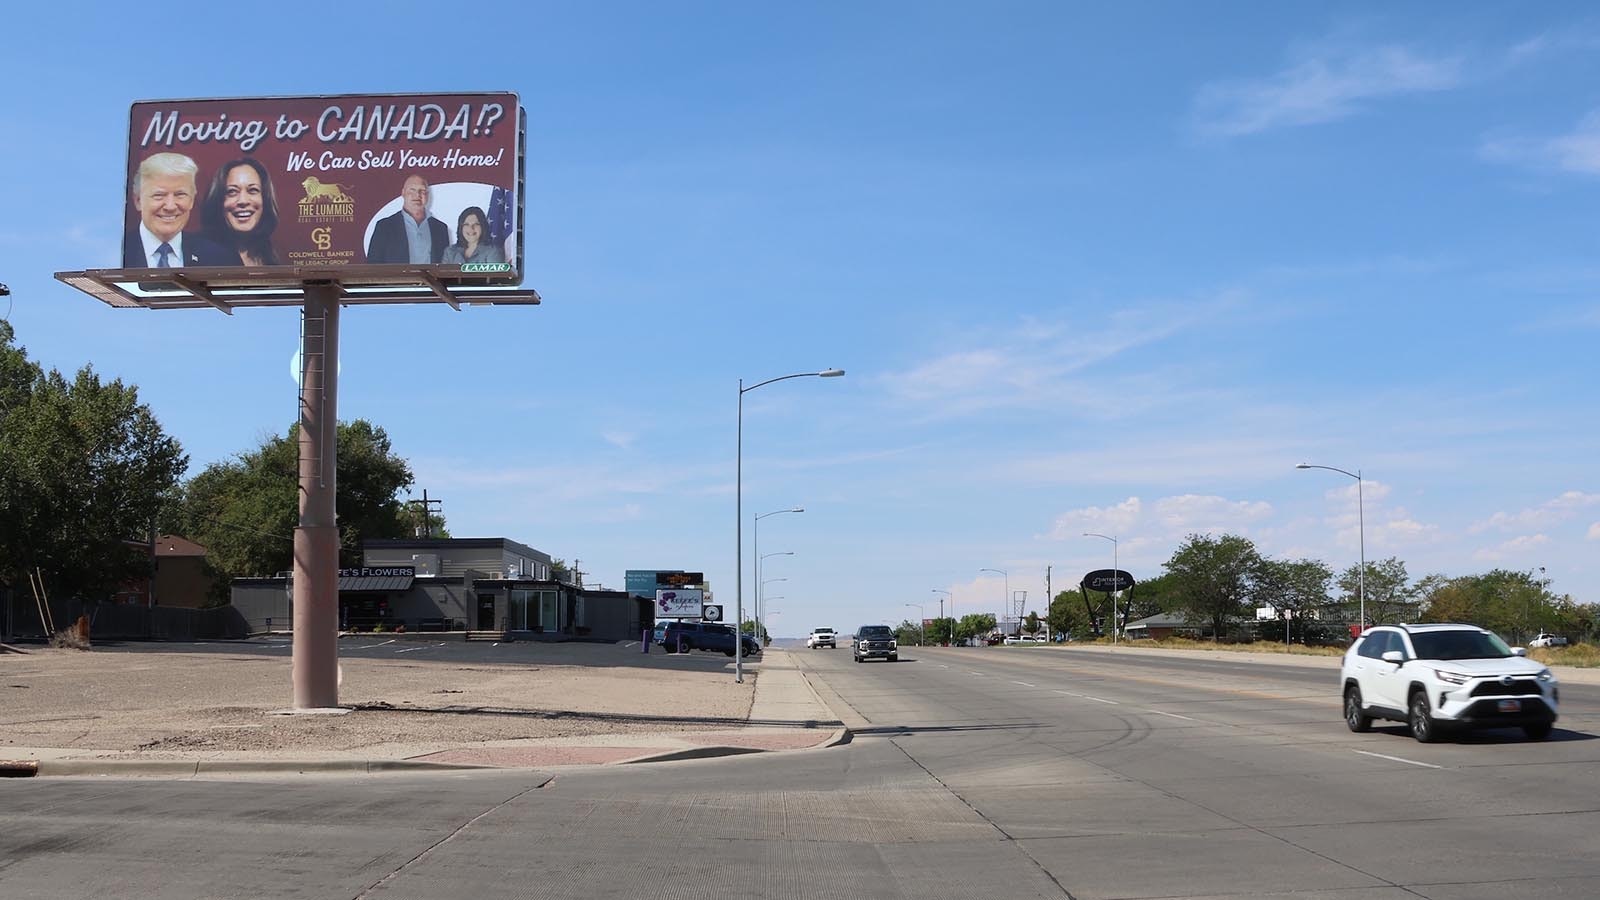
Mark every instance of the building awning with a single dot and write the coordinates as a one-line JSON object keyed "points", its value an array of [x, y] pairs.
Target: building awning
{"points": [[383, 580]]}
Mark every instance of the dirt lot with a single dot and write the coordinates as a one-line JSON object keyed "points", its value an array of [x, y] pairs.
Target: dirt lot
{"points": [[410, 697]]}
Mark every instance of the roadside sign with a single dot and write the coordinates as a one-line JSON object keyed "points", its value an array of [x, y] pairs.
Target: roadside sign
{"points": [[711, 613], [679, 603]]}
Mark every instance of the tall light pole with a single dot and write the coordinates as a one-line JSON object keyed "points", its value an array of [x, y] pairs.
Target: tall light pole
{"points": [[1361, 520], [1116, 580], [922, 621], [1007, 604], [952, 597], [738, 505], [756, 551]]}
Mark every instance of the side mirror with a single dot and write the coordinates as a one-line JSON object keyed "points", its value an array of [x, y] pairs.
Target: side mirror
{"points": [[1519, 651], [1394, 656]]}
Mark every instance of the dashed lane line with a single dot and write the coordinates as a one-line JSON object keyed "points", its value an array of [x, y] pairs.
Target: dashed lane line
{"points": [[1398, 759]]}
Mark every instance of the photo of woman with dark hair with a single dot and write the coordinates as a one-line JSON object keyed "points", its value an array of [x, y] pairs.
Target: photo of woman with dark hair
{"points": [[472, 240], [241, 212]]}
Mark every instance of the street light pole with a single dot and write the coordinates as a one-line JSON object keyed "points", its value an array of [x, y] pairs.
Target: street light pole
{"points": [[922, 621], [1361, 520], [738, 508], [1007, 603], [952, 597], [1116, 580], [756, 552]]}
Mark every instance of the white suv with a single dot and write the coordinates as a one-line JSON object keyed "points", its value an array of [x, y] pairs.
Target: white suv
{"points": [[822, 637], [1434, 677]]}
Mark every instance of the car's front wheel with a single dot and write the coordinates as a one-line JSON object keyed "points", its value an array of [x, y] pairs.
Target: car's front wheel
{"points": [[1420, 718], [1354, 717]]}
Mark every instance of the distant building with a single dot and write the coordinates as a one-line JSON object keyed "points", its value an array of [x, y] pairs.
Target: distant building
{"points": [[455, 584], [181, 577]]}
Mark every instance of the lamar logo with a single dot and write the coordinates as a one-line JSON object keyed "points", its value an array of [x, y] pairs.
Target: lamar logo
{"points": [[326, 203], [322, 237]]}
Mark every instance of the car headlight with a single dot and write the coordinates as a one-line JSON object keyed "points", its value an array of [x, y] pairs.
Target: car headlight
{"points": [[1546, 675], [1450, 677]]}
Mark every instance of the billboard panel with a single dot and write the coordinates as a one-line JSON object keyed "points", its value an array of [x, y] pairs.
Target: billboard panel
{"points": [[326, 182], [679, 603]]}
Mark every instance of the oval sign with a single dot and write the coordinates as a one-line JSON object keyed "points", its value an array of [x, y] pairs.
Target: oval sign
{"points": [[1108, 580]]}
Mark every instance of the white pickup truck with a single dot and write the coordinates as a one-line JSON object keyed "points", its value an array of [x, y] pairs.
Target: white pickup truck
{"points": [[1544, 639], [822, 637]]}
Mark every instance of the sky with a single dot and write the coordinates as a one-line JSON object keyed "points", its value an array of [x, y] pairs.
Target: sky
{"points": [[1089, 268]]}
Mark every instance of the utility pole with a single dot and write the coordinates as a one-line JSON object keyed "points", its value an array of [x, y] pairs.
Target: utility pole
{"points": [[1049, 601], [427, 513]]}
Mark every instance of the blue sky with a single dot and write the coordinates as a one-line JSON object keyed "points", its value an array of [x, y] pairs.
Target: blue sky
{"points": [[1111, 270]]}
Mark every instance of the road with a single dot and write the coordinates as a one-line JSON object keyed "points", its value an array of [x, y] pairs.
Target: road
{"points": [[999, 772]]}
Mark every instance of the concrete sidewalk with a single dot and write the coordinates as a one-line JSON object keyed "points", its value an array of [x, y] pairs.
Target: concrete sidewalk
{"points": [[785, 714]]}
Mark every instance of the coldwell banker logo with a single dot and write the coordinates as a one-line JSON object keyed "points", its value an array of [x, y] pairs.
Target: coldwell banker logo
{"points": [[326, 203]]}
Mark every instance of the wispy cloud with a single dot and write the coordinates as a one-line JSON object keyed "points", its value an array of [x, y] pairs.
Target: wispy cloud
{"points": [[1037, 364], [1594, 532], [1513, 548], [1323, 88], [1546, 514], [1165, 519], [1576, 151]]}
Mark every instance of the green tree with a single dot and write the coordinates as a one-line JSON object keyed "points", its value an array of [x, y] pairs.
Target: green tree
{"points": [[974, 625], [86, 468], [1212, 575], [244, 511], [1068, 615], [1031, 624], [941, 631], [749, 627], [908, 633], [1292, 588], [1390, 597]]}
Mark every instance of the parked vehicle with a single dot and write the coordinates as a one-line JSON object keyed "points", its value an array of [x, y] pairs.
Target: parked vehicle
{"points": [[822, 637], [875, 642], [1545, 640], [1438, 677], [686, 636], [659, 634]]}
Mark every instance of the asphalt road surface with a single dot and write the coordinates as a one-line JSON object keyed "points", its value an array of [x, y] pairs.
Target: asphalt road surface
{"points": [[975, 773]]}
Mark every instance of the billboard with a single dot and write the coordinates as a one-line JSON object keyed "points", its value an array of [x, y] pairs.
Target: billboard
{"points": [[328, 182], [679, 603]]}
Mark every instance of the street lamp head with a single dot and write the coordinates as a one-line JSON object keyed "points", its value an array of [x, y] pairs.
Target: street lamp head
{"points": [[830, 373], [1302, 466], [798, 509]]}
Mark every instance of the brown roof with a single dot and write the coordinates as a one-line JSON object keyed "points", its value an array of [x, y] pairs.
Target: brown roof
{"points": [[172, 545]]}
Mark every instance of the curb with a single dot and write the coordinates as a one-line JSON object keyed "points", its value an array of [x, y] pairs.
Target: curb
{"points": [[838, 737], [54, 768]]}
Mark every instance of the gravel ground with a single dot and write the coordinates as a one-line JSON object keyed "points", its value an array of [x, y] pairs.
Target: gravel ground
{"points": [[161, 701]]}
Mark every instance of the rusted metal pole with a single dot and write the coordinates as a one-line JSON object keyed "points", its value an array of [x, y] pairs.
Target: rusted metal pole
{"points": [[316, 539]]}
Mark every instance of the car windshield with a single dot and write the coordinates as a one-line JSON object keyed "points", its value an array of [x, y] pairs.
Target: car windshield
{"points": [[1459, 645], [876, 631]]}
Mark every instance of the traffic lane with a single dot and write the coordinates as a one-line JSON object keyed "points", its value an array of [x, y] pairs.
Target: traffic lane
{"points": [[1580, 701], [1120, 768]]}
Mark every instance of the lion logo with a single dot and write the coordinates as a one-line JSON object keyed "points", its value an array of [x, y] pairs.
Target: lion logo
{"points": [[316, 190]]}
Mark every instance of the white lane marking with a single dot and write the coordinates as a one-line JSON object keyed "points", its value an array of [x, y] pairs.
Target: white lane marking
{"points": [[1409, 762], [1069, 693], [943, 666], [1024, 684], [1173, 715], [371, 646], [1099, 700], [970, 672], [413, 649]]}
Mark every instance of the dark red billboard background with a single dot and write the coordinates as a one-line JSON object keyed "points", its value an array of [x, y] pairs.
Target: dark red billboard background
{"points": [[335, 168]]}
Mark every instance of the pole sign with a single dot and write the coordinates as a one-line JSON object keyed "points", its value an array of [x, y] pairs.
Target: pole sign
{"points": [[1108, 580], [679, 603], [680, 579], [280, 183]]}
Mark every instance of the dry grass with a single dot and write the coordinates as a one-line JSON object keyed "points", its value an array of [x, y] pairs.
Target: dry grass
{"points": [[1582, 656], [1177, 643]]}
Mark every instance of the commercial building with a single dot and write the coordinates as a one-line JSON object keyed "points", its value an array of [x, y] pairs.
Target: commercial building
{"points": [[493, 585]]}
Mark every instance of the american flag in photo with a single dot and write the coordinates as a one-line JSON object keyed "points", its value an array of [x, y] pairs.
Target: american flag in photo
{"points": [[500, 211]]}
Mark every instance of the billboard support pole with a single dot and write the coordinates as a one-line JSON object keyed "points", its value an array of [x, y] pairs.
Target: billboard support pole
{"points": [[316, 539]]}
